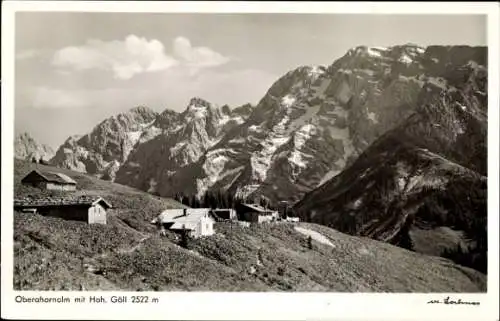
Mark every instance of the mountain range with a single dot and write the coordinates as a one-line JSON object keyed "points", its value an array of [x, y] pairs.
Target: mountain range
{"points": [[309, 125], [380, 142]]}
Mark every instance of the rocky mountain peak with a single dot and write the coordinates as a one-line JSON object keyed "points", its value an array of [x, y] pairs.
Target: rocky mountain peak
{"points": [[197, 102], [167, 118], [26, 147], [244, 110], [136, 115], [142, 110], [200, 109], [25, 136], [226, 109]]}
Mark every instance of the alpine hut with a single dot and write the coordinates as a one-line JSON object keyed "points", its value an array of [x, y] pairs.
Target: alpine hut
{"points": [[49, 181], [89, 209]]}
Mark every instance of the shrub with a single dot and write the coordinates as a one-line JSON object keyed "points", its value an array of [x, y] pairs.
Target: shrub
{"points": [[281, 271], [309, 242], [185, 239], [469, 256]]}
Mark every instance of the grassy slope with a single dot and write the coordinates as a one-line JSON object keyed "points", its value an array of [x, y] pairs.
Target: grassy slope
{"points": [[54, 254]]}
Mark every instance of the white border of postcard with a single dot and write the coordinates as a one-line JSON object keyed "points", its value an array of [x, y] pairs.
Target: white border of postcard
{"points": [[251, 306]]}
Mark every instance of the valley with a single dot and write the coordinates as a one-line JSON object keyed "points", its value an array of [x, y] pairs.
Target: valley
{"points": [[381, 154]]}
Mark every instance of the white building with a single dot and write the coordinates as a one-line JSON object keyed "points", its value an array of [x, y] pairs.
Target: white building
{"points": [[292, 219], [225, 214], [198, 221]]}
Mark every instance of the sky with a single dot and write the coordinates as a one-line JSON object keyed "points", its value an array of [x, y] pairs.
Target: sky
{"points": [[73, 70]]}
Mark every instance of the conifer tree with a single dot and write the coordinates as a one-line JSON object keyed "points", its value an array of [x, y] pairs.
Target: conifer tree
{"points": [[184, 238], [405, 240]]}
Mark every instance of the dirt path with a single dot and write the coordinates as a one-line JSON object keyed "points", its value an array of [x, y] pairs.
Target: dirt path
{"points": [[133, 248], [126, 250]]}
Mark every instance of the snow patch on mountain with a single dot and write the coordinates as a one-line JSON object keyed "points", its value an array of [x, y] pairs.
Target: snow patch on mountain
{"points": [[301, 136], [224, 120], [315, 71], [82, 151], [373, 52], [254, 128], [134, 136], [405, 59], [379, 48], [149, 134], [239, 120], [174, 150], [329, 175], [296, 158], [288, 101], [238, 140], [213, 170], [261, 160], [372, 116], [357, 203], [345, 71]]}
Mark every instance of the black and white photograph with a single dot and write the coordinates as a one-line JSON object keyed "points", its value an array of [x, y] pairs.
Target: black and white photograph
{"points": [[264, 152]]}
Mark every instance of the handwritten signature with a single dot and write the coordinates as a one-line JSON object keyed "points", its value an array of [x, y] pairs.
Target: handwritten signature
{"points": [[447, 300]]}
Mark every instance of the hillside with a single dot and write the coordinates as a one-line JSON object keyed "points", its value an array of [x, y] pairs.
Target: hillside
{"points": [[129, 254]]}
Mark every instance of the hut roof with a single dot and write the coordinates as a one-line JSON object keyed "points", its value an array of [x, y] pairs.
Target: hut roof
{"points": [[189, 220], [52, 177], [257, 208], [60, 201]]}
